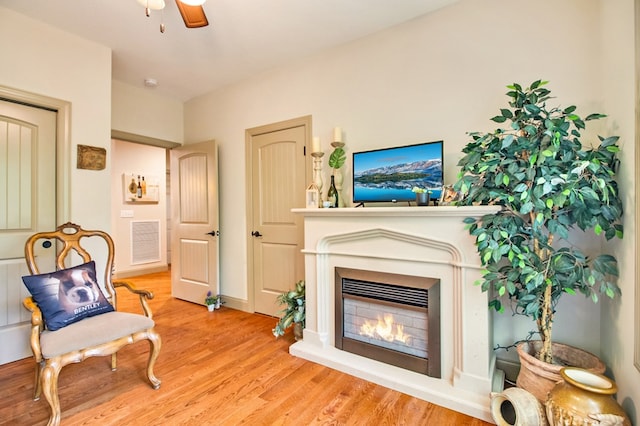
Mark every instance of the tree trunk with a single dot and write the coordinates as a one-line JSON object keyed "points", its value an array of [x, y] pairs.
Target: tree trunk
{"points": [[545, 320], [544, 327]]}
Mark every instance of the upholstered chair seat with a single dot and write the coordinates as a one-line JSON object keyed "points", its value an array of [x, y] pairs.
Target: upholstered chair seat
{"points": [[82, 334]]}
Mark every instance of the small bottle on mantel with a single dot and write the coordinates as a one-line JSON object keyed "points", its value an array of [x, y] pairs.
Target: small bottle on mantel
{"points": [[332, 194]]}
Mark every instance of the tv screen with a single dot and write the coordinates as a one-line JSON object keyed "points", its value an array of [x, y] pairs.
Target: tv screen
{"points": [[388, 175]]}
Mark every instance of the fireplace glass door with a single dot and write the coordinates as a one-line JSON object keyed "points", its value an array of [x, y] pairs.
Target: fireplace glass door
{"points": [[391, 318]]}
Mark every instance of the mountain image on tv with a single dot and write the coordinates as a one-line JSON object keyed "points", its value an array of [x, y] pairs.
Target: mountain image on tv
{"points": [[425, 174]]}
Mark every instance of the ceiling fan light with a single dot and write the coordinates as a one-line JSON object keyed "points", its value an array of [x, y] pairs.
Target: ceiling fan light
{"points": [[152, 4], [193, 2]]}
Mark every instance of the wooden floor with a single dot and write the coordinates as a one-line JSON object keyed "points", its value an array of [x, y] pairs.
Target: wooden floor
{"points": [[219, 368]]}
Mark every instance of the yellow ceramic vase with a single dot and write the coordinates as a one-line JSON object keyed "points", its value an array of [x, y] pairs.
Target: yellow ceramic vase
{"points": [[584, 398]]}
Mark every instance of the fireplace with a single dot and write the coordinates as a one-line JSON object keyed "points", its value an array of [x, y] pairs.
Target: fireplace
{"points": [[405, 243], [391, 318]]}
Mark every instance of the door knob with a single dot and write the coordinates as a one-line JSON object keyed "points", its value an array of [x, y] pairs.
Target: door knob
{"points": [[213, 233], [256, 234]]}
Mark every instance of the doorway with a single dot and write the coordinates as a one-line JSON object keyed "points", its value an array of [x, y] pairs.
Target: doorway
{"points": [[277, 176]]}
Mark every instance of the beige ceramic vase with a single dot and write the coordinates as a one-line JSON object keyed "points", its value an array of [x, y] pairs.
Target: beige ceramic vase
{"points": [[517, 407], [586, 399]]}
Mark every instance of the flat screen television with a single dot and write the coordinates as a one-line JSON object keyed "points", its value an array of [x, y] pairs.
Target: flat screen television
{"points": [[389, 174]]}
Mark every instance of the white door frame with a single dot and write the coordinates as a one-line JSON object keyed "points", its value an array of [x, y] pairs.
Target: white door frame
{"points": [[249, 134]]}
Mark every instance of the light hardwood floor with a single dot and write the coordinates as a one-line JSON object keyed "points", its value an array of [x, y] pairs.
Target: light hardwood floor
{"points": [[219, 368]]}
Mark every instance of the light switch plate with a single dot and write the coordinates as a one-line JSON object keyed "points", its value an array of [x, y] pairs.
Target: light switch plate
{"points": [[126, 213]]}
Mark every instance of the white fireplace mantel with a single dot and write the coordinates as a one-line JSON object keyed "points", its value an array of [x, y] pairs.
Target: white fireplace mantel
{"points": [[421, 241]]}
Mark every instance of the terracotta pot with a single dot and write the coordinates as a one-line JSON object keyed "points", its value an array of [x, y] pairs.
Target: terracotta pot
{"points": [[585, 399], [540, 377]]}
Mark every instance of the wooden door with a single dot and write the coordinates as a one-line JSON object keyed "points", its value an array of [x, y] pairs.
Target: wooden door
{"points": [[194, 221], [278, 182], [28, 199]]}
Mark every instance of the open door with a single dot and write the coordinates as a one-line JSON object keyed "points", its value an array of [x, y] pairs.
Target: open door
{"points": [[194, 221]]}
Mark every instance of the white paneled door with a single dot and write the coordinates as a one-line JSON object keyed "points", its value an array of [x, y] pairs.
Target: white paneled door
{"points": [[28, 200], [194, 221], [278, 185]]}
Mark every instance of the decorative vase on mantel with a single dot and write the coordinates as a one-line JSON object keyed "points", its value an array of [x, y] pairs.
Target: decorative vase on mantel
{"points": [[338, 157], [539, 377], [584, 398]]}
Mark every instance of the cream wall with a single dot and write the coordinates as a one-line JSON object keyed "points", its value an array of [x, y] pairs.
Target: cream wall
{"points": [[619, 77], [41, 59], [144, 160], [142, 112], [438, 77]]}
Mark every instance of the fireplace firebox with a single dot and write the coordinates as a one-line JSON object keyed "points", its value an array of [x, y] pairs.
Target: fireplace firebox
{"points": [[391, 318]]}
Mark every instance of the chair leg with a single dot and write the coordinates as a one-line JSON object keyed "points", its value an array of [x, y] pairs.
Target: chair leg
{"points": [[154, 350], [37, 389], [49, 383]]}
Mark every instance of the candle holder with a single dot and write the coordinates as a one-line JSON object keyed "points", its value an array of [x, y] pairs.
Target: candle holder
{"points": [[317, 173]]}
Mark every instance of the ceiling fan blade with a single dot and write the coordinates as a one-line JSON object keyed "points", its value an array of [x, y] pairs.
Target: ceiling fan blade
{"points": [[193, 16]]}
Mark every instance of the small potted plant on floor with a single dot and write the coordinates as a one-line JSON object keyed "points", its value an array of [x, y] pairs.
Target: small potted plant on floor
{"points": [[293, 313], [210, 300], [547, 184]]}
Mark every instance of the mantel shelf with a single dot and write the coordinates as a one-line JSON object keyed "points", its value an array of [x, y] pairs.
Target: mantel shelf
{"points": [[447, 211]]}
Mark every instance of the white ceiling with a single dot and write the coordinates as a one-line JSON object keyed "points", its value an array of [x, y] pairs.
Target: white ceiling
{"points": [[244, 37]]}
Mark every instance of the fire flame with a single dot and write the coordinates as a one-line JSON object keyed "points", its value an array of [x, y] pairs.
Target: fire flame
{"points": [[385, 329]]}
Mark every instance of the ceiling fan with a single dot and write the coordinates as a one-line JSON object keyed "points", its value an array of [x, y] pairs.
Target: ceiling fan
{"points": [[191, 11]]}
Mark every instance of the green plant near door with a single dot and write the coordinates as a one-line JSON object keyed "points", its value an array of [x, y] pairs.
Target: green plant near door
{"points": [[547, 184], [294, 311]]}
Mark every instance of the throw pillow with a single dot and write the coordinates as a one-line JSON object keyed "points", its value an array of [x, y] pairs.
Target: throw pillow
{"points": [[68, 295]]}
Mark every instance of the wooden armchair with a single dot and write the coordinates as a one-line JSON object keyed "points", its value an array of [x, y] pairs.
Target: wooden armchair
{"points": [[98, 335]]}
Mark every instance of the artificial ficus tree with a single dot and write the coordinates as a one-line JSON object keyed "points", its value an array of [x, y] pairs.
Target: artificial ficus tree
{"points": [[547, 183]]}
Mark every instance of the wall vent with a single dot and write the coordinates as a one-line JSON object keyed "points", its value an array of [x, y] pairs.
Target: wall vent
{"points": [[145, 241]]}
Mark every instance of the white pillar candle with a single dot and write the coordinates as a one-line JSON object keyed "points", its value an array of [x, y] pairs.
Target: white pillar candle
{"points": [[315, 144], [337, 134]]}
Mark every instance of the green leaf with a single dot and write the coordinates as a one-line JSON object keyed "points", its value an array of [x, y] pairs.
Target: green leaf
{"points": [[532, 109], [595, 116], [337, 158], [597, 229]]}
